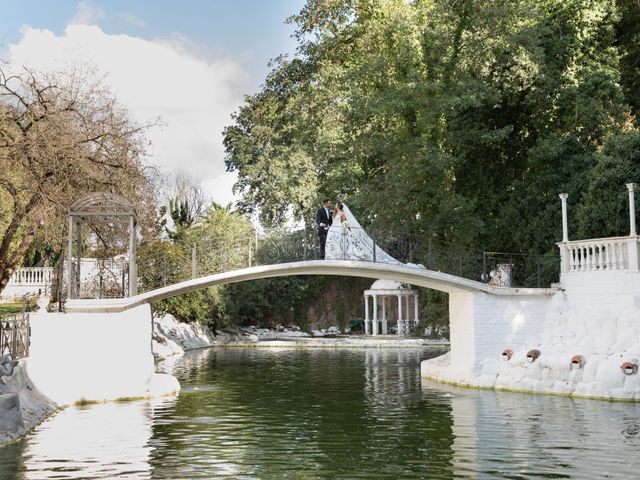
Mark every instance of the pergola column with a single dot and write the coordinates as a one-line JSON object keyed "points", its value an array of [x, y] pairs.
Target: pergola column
{"points": [[70, 260], [374, 325], [366, 314], [384, 315], [133, 274], [400, 321], [77, 284]]}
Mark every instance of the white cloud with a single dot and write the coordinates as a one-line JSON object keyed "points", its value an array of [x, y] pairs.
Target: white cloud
{"points": [[87, 14], [130, 19], [193, 97]]}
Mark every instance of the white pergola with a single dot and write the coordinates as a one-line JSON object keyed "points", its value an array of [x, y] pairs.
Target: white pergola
{"points": [[94, 208], [380, 292]]}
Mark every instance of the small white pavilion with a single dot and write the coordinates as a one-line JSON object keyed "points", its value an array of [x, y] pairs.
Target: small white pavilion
{"points": [[400, 294]]}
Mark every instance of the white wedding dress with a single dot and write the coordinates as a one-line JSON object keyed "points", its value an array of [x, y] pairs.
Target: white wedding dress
{"points": [[349, 241]]}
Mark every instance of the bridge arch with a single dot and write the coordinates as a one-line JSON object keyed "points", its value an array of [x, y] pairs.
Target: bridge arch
{"points": [[413, 275], [483, 321]]}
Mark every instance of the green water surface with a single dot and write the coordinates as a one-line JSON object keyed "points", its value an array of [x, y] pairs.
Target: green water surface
{"points": [[249, 413]]}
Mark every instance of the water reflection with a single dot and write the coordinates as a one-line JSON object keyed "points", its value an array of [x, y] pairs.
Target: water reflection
{"points": [[291, 413], [539, 436], [96, 441]]}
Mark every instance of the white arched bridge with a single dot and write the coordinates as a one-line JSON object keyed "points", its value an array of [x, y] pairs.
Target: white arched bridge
{"points": [[413, 275], [483, 318]]}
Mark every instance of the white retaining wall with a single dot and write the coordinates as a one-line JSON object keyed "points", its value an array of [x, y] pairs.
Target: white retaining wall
{"points": [[595, 314], [482, 324], [76, 357]]}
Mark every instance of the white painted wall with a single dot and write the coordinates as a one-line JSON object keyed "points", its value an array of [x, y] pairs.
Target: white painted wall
{"points": [[596, 314], [16, 292], [78, 357], [483, 325]]}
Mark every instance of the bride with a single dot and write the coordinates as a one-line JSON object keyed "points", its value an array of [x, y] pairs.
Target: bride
{"points": [[347, 240]]}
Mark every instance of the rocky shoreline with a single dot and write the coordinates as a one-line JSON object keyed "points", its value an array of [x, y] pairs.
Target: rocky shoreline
{"points": [[171, 337], [24, 406]]}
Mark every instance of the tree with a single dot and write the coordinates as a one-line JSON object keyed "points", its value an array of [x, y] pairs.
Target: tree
{"points": [[604, 206], [221, 240], [62, 136], [447, 120]]}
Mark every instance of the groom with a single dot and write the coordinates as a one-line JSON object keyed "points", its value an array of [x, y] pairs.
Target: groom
{"points": [[323, 221]]}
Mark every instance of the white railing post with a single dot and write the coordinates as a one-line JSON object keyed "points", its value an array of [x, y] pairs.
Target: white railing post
{"points": [[565, 223], [632, 243], [566, 253], [632, 209]]}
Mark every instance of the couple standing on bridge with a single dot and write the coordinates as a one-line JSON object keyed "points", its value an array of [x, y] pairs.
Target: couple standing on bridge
{"points": [[342, 237]]}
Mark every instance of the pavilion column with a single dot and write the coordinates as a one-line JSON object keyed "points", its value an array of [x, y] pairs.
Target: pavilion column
{"points": [[366, 314], [384, 315], [632, 209], [374, 325], [407, 314], [400, 322], [415, 309], [564, 250]]}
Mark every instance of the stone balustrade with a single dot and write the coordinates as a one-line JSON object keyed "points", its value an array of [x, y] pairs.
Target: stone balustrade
{"points": [[600, 254], [32, 276], [28, 280]]}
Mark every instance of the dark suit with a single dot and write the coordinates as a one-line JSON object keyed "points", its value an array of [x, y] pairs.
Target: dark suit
{"points": [[327, 219]]}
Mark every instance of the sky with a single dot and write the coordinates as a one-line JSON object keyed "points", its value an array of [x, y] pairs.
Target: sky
{"points": [[188, 63]]}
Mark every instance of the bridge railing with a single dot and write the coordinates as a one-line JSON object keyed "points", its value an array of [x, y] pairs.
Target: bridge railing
{"points": [[177, 262]]}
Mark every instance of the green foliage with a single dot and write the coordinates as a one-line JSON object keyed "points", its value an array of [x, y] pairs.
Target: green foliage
{"points": [[605, 204], [161, 263], [459, 121], [452, 120], [204, 306], [628, 43], [267, 302], [220, 241]]}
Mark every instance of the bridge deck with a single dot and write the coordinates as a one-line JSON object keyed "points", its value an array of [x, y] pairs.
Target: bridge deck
{"points": [[412, 275]]}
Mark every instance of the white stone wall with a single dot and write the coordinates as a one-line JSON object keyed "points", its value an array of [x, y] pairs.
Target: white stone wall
{"points": [[16, 292], [483, 325], [596, 314], [601, 290], [77, 357]]}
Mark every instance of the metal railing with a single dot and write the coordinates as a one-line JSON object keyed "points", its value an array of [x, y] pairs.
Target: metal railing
{"points": [[181, 262], [15, 335], [165, 263]]}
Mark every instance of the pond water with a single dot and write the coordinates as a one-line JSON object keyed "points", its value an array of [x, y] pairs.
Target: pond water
{"points": [[251, 413]]}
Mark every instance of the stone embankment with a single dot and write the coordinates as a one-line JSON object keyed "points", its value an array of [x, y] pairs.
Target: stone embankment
{"points": [[22, 406]]}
